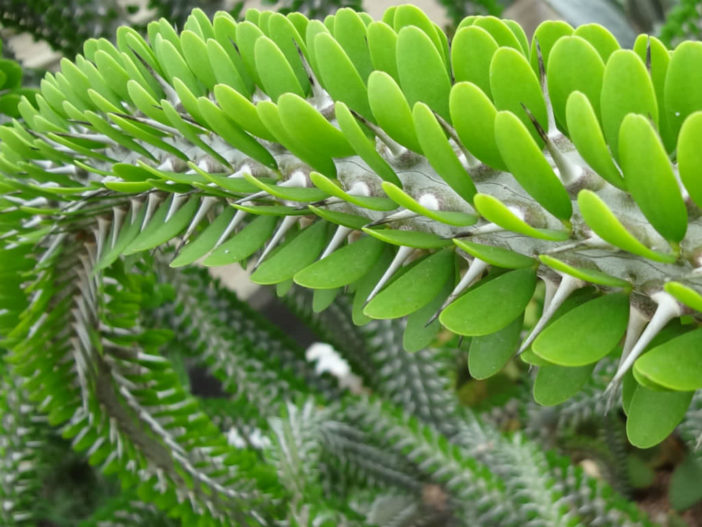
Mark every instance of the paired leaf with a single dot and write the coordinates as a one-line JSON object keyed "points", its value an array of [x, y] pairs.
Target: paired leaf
{"points": [[490, 306]]}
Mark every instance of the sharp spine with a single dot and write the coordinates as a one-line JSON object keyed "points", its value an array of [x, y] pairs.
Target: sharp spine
{"points": [[475, 269], [565, 288], [284, 227], [668, 309], [402, 254], [339, 236]]}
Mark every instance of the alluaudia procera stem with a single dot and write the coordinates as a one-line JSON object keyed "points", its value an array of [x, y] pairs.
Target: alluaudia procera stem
{"points": [[437, 180]]}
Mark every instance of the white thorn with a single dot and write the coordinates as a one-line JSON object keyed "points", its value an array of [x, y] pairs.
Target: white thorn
{"points": [[397, 216], [205, 206], [562, 292], [150, 207], [284, 227], [668, 308], [101, 234], [475, 269], [296, 179], [635, 326], [175, 205], [236, 220], [338, 238], [402, 255], [166, 166], [118, 215], [359, 188], [551, 288], [243, 169], [250, 197], [135, 208], [570, 172], [429, 201]]}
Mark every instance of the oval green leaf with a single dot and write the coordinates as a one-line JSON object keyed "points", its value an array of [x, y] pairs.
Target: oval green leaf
{"points": [[649, 177], [413, 289], [585, 334], [490, 306]]}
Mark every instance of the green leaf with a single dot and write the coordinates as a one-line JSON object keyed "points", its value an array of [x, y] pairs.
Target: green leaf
{"points": [[493, 210], [585, 334], [586, 134], [241, 111], [439, 152], [594, 276], [556, 384], [225, 36], [490, 306], [294, 255], [411, 15], [488, 354], [518, 32], [495, 255], [283, 32], [416, 239], [365, 285], [500, 31], [422, 71], [601, 39], [528, 165], [235, 136], [685, 490], [659, 59], [413, 289], [300, 194], [681, 92], [322, 299], [547, 34], [340, 218], [605, 224], [350, 32], [472, 50], [226, 71], [574, 65], [626, 88], [649, 177], [366, 202], [399, 196], [391, 109], [418, 335], [382, 44], [276, 74], [653, 415], [246, 36], [197, 58], [243, 244], [339, 76], [159, 230], [684, 294], [342, 267], [309, 127], [174, 65], [676, 364], [690, 156], [362, 145], [473, 117], [514, 85], [205, 241]]}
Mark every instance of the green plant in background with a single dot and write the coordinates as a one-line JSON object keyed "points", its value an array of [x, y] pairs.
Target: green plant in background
{"points": [[682, 22], [11, 88], [440, 184]]}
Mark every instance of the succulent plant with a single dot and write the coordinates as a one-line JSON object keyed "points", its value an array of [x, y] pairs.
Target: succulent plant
{"points": [[439, 182]]}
